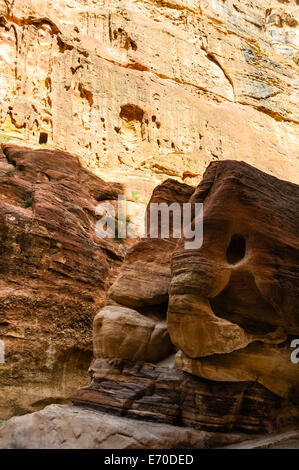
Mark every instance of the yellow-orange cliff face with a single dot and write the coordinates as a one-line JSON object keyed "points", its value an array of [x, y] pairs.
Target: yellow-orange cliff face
{"points": [[153, 87]]}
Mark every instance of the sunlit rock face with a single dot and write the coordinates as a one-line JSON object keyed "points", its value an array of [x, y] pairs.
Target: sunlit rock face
{"points": [[133, 324], [222, 360], [153, 87], [54, 273], [233, 304]]}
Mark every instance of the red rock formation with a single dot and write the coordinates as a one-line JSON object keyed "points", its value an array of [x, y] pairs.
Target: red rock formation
{"points": [[142, 285], [54, 273], [145, 275], [241, 287], [232, 312], [182, 83], [233, 370], [161, 393]]}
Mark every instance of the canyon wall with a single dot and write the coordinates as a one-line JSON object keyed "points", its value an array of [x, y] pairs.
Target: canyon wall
{"points": [[193, 348], [54, 273], [150, 88], [138, 90]]}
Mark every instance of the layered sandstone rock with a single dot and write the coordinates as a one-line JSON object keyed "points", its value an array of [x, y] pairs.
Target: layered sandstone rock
{"points": [[133, 324], [139, 90], [241, 287], [233, 372], [164, 394], [153, 88], [54, 273], [232, 312], [68, 427], [145, 275]]}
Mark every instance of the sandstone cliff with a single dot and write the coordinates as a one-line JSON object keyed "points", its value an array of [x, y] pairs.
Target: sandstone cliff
{"points": [[54, 273], [231, 308], [153, 87], [140, 90], [193, 347]]}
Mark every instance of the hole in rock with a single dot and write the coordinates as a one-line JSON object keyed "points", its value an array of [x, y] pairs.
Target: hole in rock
{"points": [[131, 112], [236, 250], [242, 303], [43, 138], [85, 94], [156, 312], [133, 45]]}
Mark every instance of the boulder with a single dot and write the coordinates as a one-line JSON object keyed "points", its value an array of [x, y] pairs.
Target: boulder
{"points": [[233, 306], [121, 332], [69, 427]]}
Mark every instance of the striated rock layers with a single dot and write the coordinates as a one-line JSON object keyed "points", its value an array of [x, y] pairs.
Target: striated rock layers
{"points": [[69, 427], [194, 349], [54, 273], [234, 302], [153, 88], [232, 311]]}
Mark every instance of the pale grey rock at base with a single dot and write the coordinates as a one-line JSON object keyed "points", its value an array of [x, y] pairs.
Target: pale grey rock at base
{"points": [[71, 427]]}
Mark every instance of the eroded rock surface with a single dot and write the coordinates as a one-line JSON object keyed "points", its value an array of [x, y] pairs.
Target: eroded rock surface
{"points": [[162, 393], [118, 330], [133, 324], [139, 90], [239, 292], [232, 313], [154, 88], [233, 372], [54, 273], [69, 427], [145, 275]]}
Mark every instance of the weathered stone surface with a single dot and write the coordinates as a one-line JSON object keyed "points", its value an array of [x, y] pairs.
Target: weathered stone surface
{"points": [[69, 427], [242, 285], [124, 333], [145, 273], [232, 312], [132, 374], [139, 90], [267, 364], [143, 284], [288, 439], [54, 273], [154, 88], [161, 393]]}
